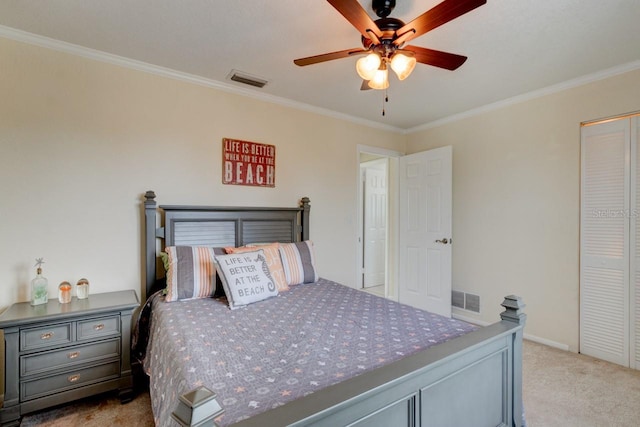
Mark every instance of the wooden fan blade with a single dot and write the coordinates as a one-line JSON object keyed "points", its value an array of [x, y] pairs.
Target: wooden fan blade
{"points": [[328, 56], [446, 11], [358, 17], [448, 61], [365, 85]]}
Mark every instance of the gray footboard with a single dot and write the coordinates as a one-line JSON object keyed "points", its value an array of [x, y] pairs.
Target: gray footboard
{"points": [[474, 380]]}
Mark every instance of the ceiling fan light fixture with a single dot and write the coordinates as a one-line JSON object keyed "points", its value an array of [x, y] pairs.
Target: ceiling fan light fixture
{"points": [[367, 66], [403, 64], [380, 79]]}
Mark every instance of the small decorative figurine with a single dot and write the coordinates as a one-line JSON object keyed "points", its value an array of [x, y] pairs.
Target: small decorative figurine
{"points": [[82, 288], [39, 286], [64, 293]]}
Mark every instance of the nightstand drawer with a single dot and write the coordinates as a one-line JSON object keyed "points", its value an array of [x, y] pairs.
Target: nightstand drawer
{"points": [[45, 336], [68, 380], [99, 327], [60, 359]]}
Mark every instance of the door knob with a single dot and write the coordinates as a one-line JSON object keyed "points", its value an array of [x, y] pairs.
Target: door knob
{"points": [[443, 241]]}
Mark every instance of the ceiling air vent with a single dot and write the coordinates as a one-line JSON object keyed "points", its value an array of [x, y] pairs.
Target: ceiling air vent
{"points": [[241, 77]]}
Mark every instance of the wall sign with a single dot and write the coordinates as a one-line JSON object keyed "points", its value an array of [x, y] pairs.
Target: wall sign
{"points": [[248, 163]]}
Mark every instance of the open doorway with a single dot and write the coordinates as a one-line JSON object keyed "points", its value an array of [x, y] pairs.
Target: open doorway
{"points": [[376, 224]]}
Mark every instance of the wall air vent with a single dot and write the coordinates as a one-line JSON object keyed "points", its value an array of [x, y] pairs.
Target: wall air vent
{"points": [[465, 301], [242, 77], [472, 303], [457, 299]]}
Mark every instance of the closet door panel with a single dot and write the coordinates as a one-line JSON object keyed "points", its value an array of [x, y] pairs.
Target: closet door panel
{"points": [[604, 263], [635, 244]]}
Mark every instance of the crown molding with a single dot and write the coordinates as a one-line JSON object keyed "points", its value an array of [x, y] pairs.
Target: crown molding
{"points": [[73, 49], [97, 55], [549, 90]]}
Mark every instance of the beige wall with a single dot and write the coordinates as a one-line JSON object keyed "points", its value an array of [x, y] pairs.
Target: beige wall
{"points": [[81, 140], [516, 184]]}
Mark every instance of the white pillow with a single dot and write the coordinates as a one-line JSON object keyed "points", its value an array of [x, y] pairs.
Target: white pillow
{"points": [[245, 277]]}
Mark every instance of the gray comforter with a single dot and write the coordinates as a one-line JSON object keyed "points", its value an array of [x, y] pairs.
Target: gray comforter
{"points": [[277, 350]]}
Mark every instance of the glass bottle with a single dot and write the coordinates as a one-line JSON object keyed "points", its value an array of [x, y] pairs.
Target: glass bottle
{"points": [[39, 289]]}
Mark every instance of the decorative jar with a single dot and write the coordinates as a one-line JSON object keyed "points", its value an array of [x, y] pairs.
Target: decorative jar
{"points": [[64, 293], [82, 288]]}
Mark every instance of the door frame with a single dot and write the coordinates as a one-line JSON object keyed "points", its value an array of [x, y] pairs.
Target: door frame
{"points": [[391, 271]]}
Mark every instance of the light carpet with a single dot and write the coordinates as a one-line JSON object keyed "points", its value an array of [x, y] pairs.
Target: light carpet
{"points": [[103, 410], [572, 390]]}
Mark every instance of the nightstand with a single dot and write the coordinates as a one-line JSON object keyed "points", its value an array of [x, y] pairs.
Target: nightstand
{"points": [[55, 353]]}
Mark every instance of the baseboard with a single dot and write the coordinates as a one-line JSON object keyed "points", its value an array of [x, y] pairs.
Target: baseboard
{"points": [[547, 342], [529, 337], [469, 319]]}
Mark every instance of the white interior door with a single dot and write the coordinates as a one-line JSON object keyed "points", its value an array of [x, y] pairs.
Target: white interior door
{"points": [[604, 243], [425, 230], [375, 222]]}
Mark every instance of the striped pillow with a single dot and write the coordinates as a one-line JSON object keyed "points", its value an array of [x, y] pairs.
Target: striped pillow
{"points": [[272, 255], [298, 261], [191, 272]]}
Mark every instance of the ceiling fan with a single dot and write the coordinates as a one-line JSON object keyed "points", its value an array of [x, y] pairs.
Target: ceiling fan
{"points": [[384, 39]]}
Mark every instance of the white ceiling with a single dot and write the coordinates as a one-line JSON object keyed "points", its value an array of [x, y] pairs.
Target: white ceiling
{"points": [[514, 47]]}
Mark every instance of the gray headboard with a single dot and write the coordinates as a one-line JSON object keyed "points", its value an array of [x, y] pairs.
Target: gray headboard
{"points": [[217, 226]]}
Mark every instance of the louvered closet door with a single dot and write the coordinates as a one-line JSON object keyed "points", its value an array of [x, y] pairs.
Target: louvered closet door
{"points": [[604, 255]]}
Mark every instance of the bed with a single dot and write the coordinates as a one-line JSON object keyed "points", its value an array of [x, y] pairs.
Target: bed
{"points": [[319, 354]]}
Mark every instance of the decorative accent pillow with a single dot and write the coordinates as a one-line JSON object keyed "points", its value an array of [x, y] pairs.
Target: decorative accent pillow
{"points": [[298, 260], [246, 278], [191, 272], [272, 255]]}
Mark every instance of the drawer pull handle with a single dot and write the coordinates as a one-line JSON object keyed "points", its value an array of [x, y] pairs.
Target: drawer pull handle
{"points": [[73, 378], [73, 355], [46, 336], [98, 327]]}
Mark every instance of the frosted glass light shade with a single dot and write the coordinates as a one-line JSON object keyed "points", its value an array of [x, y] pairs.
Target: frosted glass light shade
{"points": [[368, 65], [403, 65], [380, 79]]}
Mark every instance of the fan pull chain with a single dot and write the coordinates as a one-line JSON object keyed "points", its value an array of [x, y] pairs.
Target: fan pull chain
{"points": [[386, 99]]}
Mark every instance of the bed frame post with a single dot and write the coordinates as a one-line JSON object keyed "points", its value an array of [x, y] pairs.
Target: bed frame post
{"points": [[304, 203], [150, 239], [513, 313]]}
